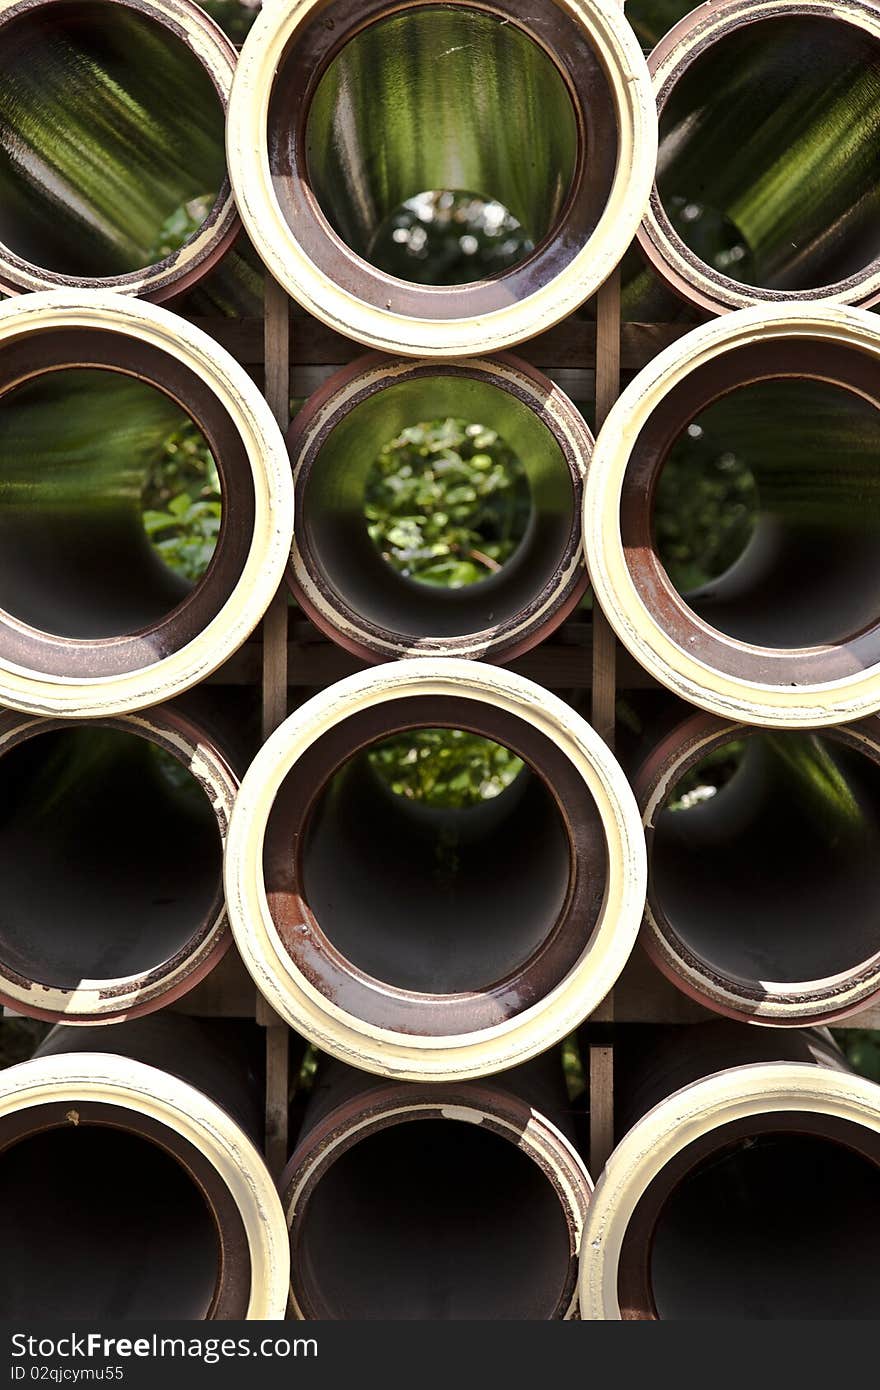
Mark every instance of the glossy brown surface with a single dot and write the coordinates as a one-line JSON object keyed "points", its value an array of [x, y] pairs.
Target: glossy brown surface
{"points": [[340, 577], [345, 149], [764, 885], [773, 1216], [403, 1206], [766, 179], [112, 167], [61, 616], [781, 614], [117, 879], [517, 882]]}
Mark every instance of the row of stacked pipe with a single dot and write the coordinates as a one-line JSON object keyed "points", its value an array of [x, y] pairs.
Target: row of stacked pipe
{"points": [[437, 958]]}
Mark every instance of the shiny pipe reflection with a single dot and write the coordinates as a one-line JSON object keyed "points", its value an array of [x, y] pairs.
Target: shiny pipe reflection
{"points": [[745, 1184], [458, 1200], [76, 450], [762, 897], [132, 1185], [382, 126], [346, 585], [769, 147], [111, 144], [111, 845], [114, 415]]}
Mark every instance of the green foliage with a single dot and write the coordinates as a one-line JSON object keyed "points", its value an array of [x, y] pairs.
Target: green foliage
{"points": [[573, 1068], [708, 777], [704, 511], [862, 1048], [234, 18], [182, 503], [444, 767], [449, 238], [447, 503], [177, 229]]}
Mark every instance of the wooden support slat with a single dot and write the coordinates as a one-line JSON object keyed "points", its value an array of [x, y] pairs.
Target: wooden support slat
{"points": [[563, 662], [277, 354], [278, 347], [604, 693], [573, 341]]}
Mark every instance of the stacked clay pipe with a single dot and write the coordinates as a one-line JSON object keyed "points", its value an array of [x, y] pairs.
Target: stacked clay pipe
{"points": [[435, 958]]}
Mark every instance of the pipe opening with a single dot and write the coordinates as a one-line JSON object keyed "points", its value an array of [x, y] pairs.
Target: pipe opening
{"points": [[447, 503], [445, 238], [457, 862], [98, 1222], [110, 856], [769, 151], [780, 1225], [101, 474], [765, 512], [474, 510], [763, 860], [111, 139], [417, 106], [433, 1219], [444, 767]]}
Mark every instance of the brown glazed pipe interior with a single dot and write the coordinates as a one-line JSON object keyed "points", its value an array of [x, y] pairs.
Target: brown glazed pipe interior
{"points": [[411, 1213], [59, 615], [105, 69], [771, 1217], [776, 617], [112, 1213], [114, 1217], [302, 152], [119, 877], [517, 882], [739, 98], [513, 608], [774, 877]]}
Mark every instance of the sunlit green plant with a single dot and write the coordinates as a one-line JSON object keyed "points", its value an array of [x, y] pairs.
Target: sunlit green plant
{"points": [[182, 503], [444, 767], [447, 502]]}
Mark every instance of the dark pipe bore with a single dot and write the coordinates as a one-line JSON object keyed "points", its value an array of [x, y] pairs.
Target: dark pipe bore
{"points": [[110, 856], [772, 1227], [411, 878], [418, 102], [769, 150], [802, 507], [771, 446], [434, 1219], [767, 1202], [341, 570], [435, 898], [78, 449], [763, 859], [99, 1223], [381, 113], [111, 139]]}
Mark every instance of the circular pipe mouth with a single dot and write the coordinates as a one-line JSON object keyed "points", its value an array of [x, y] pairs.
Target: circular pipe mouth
{"points": [[527, 886], [91, 388], [341, 576], [111, 848], [112, 166], [408, 1204], [166, 1209], [719, 1217], [785, 630], [746, 829], [765, 186], [345, 161]]}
